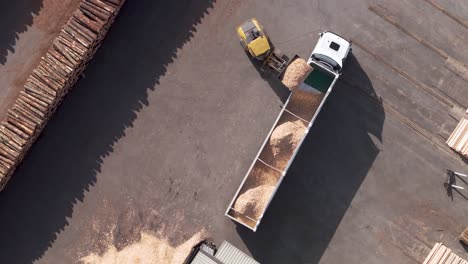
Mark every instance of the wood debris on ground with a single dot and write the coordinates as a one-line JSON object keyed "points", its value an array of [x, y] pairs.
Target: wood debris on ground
{"points": [[51, 80]]}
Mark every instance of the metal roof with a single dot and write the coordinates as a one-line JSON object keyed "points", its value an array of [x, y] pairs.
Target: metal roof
{"points": [[229, 254], [204, 258]]}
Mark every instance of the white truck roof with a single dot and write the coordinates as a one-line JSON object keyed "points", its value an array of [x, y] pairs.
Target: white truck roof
{"points": [[332, 46]]}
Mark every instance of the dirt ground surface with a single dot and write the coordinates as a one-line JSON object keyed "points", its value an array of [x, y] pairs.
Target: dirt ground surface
{"points": [[27, 28], [160, 133]]}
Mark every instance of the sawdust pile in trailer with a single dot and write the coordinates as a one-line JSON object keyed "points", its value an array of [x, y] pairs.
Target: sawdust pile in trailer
{"points": [[283, 141], [278, 150], [286, 136], [261, 175], [256, 191], [253, 201], [295, 74], [262, 180], [304, 104]]}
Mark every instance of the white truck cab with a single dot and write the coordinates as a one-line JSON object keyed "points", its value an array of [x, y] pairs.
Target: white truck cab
{"points": [[331, 51]]}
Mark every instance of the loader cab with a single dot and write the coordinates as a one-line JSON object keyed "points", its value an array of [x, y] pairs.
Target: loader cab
{"points": [[254, 39], [331, 51]]}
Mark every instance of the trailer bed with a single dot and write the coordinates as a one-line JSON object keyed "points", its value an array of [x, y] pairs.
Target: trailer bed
{"points": [[278, 151], [319, 80]]}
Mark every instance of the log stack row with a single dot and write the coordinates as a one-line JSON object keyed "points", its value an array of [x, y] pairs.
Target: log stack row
{"points": [[440, 254], [50, 81], [458, 141]]}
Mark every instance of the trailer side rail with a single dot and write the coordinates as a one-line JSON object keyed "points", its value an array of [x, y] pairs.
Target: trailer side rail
{"points": [[283, 172]]}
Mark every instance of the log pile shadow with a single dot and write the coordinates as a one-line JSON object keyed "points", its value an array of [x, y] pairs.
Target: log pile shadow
{"points": [[62, 166]]}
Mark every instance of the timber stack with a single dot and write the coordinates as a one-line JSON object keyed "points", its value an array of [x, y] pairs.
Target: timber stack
{"points": [[458, 140], [440, 254], [464, 236], [51, 80]]}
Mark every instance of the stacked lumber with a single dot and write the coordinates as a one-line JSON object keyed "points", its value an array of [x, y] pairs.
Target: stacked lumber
{"points": [[464, 236], [51, 80], [440, 254], [458, 140]]}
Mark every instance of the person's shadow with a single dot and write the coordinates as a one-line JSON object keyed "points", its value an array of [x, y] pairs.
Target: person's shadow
{"points": [[325, 175]]}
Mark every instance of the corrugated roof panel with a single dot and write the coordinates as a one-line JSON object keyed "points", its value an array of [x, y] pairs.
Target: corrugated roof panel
{"points": [[201, 258], [229, 254]]}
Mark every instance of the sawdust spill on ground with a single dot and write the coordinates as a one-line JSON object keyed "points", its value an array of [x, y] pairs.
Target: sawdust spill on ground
{"points": [[151, 249], [295, 73]]}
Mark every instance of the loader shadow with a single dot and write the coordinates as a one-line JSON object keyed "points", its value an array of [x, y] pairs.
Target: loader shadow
{"points": [[15, 18], [269, 76], [325, 176], [38, 202]]}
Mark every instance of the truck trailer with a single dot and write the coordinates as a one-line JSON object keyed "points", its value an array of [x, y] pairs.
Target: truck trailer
{"points": [[289, 131]]}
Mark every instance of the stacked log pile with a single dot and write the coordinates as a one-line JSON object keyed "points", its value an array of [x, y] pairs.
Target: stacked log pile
{"points": [[50, 81], [458, 141], [440, 254]]}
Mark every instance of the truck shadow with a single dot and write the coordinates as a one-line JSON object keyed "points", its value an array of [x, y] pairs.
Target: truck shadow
{"points": [[325, 176], [15, 18], [39, 201]]}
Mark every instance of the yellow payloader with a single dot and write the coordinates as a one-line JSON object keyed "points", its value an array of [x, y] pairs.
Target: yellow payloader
{"points": [[257, 44]]}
